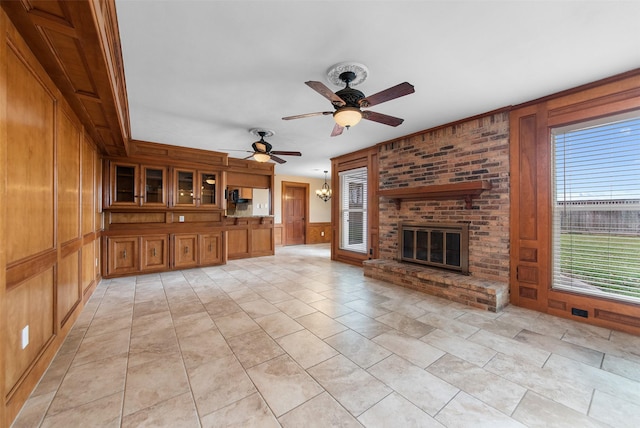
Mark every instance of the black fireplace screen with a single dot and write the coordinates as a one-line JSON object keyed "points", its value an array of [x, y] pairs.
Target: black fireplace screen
{"points": [[444, 245]]}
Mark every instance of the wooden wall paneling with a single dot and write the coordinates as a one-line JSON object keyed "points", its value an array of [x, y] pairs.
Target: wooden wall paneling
{"points": [[88, 186], [88, 267], [68, 290], [29, 304], [4, 333], [237, 243], [30, 198], [319, 233], [68, 151], [530, 205], [277, 234], [262, 241]]}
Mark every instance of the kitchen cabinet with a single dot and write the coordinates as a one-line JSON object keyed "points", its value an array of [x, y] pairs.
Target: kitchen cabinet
{"points": [[195, 188], [137, 185], [197, 249], [136, 254]]}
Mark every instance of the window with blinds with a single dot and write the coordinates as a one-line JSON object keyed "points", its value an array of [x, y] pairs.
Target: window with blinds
{"points": [[596, 212], [353, 210]]}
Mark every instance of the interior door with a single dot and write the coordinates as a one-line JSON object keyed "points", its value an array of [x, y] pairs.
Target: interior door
{"points": [[295, 207]]}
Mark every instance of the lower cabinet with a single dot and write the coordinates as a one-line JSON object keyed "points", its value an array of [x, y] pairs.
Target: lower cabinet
{"points": [[154, 255], [127, 255], [123, 255]]}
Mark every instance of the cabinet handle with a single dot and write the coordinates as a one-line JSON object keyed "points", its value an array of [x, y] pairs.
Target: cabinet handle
{"points": [[124, 254], [154, 252], [209, 246], [186, 250]]}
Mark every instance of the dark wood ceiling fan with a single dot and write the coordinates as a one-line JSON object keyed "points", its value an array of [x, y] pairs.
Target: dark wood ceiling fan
{"points": [[348, 103], [262, 151]]}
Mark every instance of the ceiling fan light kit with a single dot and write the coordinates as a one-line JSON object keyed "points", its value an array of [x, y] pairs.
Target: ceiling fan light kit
{"points": [[347, 116], [262, 150]]}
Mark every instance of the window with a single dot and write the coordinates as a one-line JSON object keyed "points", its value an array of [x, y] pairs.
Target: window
{"points": [[596, 211], [353, 210]]}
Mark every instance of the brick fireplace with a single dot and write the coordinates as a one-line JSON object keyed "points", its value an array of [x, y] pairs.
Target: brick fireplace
{"points": [[457, 174]]}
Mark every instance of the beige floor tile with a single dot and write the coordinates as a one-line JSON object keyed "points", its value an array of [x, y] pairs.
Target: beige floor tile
{"points": [[417, 352], [552, 384], [366, 308], [103, 412], [295, 308], [254, 348], [235, 324], [405, 324], [526, 353], [465, 411], [368, 327], [222, 308], [423, 389], [622, 366], [455, 345], [218, 383], [354, 388], [321, 325], [202, 348], [320, 411], [251, 411], [560, 347], [179, 411], [490, 324], [396, 411], [283, 384], [447, 324], [331, 308], [614, 411], [258, 308], [153, 382], [357, 348], [150, 323], [33, 411], [488, 387], [536, 411], [306, 348], [278, 324], [89, 382]]}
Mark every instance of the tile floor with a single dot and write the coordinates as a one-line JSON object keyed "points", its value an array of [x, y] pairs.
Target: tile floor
{"points": [[296, 340]]}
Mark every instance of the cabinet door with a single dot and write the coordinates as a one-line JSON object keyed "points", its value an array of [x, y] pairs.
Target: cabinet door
{"points": [[185, 250], [183, 192], [154, 181], [124, 184], [208, 195], [123, 255], [211, 248], [154, 255]]}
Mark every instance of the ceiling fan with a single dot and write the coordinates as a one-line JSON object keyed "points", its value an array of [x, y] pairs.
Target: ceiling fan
{"points": [[348, 103], [262, 150]]}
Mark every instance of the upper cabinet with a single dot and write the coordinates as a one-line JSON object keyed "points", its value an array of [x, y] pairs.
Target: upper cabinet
{"points": [[194, 188], [136, 185]]}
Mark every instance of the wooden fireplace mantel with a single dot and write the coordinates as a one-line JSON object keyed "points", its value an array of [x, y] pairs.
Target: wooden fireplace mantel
{"points": [[466, 190]]}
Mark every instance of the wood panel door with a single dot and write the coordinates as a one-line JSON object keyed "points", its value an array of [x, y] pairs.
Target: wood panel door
{"points": [[211, 248], [123, 255], [295, 207], [185, 250], [154, 253]]}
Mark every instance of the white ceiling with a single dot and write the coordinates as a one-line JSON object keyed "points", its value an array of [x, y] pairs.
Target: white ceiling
{"points": [[202, 73]]}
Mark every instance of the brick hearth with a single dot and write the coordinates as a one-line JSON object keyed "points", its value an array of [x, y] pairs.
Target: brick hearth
{"points": [[476, 292]]}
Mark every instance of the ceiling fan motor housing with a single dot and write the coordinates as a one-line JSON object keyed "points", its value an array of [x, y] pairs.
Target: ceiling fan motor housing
{"points": [[350, 96]]}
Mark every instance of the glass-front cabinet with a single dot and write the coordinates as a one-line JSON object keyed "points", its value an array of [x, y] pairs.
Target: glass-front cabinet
{"points": [[195, 188], [138, 185]]}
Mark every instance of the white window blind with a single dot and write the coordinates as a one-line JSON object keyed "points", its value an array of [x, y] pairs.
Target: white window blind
{"points": [[353, 210], [596, 213]]}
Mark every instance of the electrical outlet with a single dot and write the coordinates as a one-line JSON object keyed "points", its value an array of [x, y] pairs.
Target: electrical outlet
{"points": [[25, 336], [322, 233], [96, 262], [181, 219]]}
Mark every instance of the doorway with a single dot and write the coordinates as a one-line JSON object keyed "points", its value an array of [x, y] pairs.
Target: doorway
{"points": [[295, 207]]}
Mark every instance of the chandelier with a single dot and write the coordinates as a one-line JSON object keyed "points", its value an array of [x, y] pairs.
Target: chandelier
{"points": [[325, 192]]}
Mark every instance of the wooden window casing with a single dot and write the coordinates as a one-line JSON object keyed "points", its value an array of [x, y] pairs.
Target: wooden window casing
{"points": [[531, 199]]}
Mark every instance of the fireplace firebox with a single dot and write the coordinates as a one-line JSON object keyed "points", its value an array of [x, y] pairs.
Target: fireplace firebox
{"points": [[443, 245]]}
